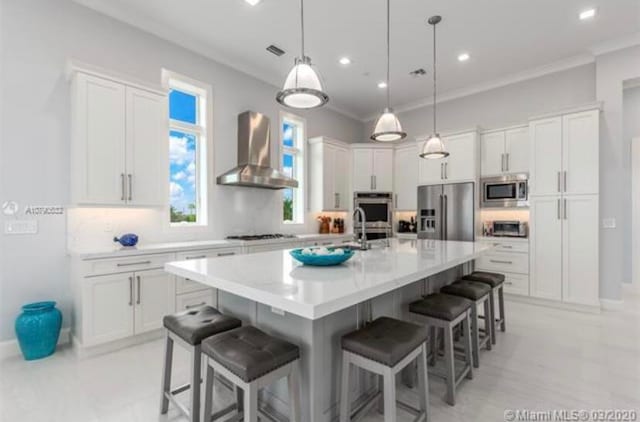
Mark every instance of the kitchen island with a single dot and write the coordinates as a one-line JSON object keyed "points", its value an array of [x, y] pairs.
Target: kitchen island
{"points": [[314, 306]]}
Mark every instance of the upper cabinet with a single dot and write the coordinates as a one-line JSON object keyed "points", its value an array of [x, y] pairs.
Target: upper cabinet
{"points": [[372, 168], [119, 153], [460, 166], [405, 178], [329, 175], [564, 154], [504, 151]]}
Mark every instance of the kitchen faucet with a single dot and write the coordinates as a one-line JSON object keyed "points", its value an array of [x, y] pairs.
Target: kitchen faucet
{"points": [[364, 245]]}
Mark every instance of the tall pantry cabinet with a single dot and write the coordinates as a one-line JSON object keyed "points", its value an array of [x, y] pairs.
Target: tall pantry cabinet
{"points": [[564, 198]]}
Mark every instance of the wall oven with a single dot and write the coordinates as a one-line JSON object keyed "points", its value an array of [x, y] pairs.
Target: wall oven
{"points": [[378, 210], [505, 191]]}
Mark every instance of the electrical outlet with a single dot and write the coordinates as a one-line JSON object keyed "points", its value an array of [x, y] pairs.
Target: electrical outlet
{"points": [[277, 311], [108, 227], [608, 223], [21, 227]]}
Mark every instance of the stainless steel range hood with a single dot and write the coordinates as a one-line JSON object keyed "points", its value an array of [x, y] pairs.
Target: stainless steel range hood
{"points": [[254, 156]]}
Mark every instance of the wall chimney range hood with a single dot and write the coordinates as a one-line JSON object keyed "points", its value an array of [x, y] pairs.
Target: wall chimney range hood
{"points": [[254, 156]]}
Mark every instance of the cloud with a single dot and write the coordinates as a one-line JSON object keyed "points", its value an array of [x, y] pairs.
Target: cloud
{"points": [[191, 172], [181, 175], [179, 151], [176, 191], [288, 132]]}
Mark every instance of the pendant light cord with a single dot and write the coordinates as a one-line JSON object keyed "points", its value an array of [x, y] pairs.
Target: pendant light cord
{"points": [[434, 79], [388, 53], [302, 28]]}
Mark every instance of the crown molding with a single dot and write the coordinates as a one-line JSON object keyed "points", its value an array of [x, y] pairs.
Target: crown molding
{"points": [[616, 44], [537, 72]]}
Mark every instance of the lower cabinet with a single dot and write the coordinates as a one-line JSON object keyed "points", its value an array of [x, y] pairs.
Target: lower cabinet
{"points": [[511, 258], [194, 299], [121, 305]]}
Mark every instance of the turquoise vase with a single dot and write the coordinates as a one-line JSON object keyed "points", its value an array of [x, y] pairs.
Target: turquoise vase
{"points": [[38, 329]]}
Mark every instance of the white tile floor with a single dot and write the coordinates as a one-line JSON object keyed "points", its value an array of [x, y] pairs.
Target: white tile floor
{"points": [[548, 359]]}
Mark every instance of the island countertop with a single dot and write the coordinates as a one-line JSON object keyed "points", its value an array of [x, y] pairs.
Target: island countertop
{"points": [[276, 279]]}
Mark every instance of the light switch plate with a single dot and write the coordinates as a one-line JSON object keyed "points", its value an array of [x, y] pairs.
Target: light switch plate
{"points": [[21, 227], [278, 311], [608, 223]]}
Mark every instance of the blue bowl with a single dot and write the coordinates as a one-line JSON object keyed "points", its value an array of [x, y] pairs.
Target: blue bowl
{"points": [[322, 260], [127, 240]]}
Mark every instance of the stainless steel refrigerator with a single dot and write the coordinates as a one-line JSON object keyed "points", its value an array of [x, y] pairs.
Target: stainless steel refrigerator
{"points": [[446, 212]]}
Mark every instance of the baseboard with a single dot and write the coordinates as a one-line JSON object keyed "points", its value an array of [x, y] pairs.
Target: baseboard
{"points": [[590, 309], [82, 351], [611, 304], [10, 348]]}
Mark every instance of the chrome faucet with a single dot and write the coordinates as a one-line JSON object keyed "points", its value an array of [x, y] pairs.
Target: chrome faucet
{"points": [[364, 245]]}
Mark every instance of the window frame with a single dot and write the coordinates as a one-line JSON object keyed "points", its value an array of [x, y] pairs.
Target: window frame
{"points": [[299, 151], [202, 130]]}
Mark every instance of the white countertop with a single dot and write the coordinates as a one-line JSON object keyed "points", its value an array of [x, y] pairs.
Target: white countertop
{"points": [[275, 279], [503, 239], [117, 251]]}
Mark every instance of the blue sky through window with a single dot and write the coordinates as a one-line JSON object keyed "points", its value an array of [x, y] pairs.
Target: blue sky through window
{"points": [[182, 161], [287, 134], [182, 106]]}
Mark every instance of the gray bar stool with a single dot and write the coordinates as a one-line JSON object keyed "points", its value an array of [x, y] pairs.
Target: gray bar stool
{"points": [[444, 311], [478, 293], [251, 359], [496, 281], [189, 328], [385, 347]]}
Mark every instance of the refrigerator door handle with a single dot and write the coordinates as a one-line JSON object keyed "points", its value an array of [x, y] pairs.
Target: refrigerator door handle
{"points": [[441, 217], [446, 220]]}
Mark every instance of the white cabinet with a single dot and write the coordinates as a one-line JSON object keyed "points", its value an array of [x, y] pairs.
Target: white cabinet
{"points": [[329, 175], [107, 308], [545, 156], [195, 299], [405, 178], [372, 168], [511, 258], [504, 151], [155, 296], [460, 166], [546, 247], [119, 152]]}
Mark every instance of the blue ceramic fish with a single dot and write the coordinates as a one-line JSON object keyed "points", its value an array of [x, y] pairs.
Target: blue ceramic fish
{"points": [[128, 239]]}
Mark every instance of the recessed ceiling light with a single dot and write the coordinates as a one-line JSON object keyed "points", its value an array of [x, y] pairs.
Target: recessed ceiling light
{"points": [[587, 14], [253, 2], [345, 60], [382, 85], [463, 57]]}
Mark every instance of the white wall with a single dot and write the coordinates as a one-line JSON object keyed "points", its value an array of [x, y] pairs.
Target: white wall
{"points": [[631, 130], [38, 36]]}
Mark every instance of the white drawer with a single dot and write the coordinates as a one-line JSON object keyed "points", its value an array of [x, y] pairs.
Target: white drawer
{"points": [[506, 246], [517, 284], [503, 262], [191, 300], [184, 285], [130, 264], [207, 253]]}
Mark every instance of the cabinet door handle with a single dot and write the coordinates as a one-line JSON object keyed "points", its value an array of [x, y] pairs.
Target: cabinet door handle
{"points": [[446, 170], [195, 305], [564, 181], [497, 261], [226, 253], [128, 264], [122, 187], [558, 209], [441, 170], [508, 283], [194, 257], [507, 157], [130, 291], [139, 289], [129, 178], [502, 162], [565, 208], [375, 182], [396, 201], [335, 200], [506, 246], [559, 187], [338, 194], [371, 182]]}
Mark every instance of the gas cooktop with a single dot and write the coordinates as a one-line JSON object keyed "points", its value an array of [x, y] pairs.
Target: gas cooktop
{"points": [[261, 236]]}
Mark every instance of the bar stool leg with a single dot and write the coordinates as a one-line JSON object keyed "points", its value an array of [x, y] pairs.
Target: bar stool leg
{"points": [[475, 335], [423, 382], [294, 394], [345, 389], [433, 342], [450, 364], [251, 403], [208, 395], [467, 345], [166, 375], [196, 358], [380, 379], [488, 328], [493, 315], [389, 396], [503, 324]]}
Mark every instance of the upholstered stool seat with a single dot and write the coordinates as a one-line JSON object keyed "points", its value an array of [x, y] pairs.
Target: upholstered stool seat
{"points": [[249, 353], [196, 324], [471, 290], [384, 347], [445, 312], [189, 328], [496, 281], [441, 306], [251, 359]]}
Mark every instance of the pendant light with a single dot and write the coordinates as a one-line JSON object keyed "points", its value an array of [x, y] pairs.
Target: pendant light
{"points": [[433, 148], [302, 89], [388, 128]]}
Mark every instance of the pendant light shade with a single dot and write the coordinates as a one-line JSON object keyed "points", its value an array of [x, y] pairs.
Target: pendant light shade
{"points": [[388, 128], [302, 89], [433, 147]]}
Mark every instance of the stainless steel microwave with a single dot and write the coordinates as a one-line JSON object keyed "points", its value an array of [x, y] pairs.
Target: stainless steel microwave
{"points": [[508, 191]]}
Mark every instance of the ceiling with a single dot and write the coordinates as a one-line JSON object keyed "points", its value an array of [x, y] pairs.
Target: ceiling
{"points": [[503, 37]]}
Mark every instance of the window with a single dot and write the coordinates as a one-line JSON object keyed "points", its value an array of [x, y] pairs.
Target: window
{"points": [[187, 152], [292, 143]]}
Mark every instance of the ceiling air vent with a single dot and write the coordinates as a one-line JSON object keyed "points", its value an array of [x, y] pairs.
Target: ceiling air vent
{"points": [[275, 50], [418, 72]]}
